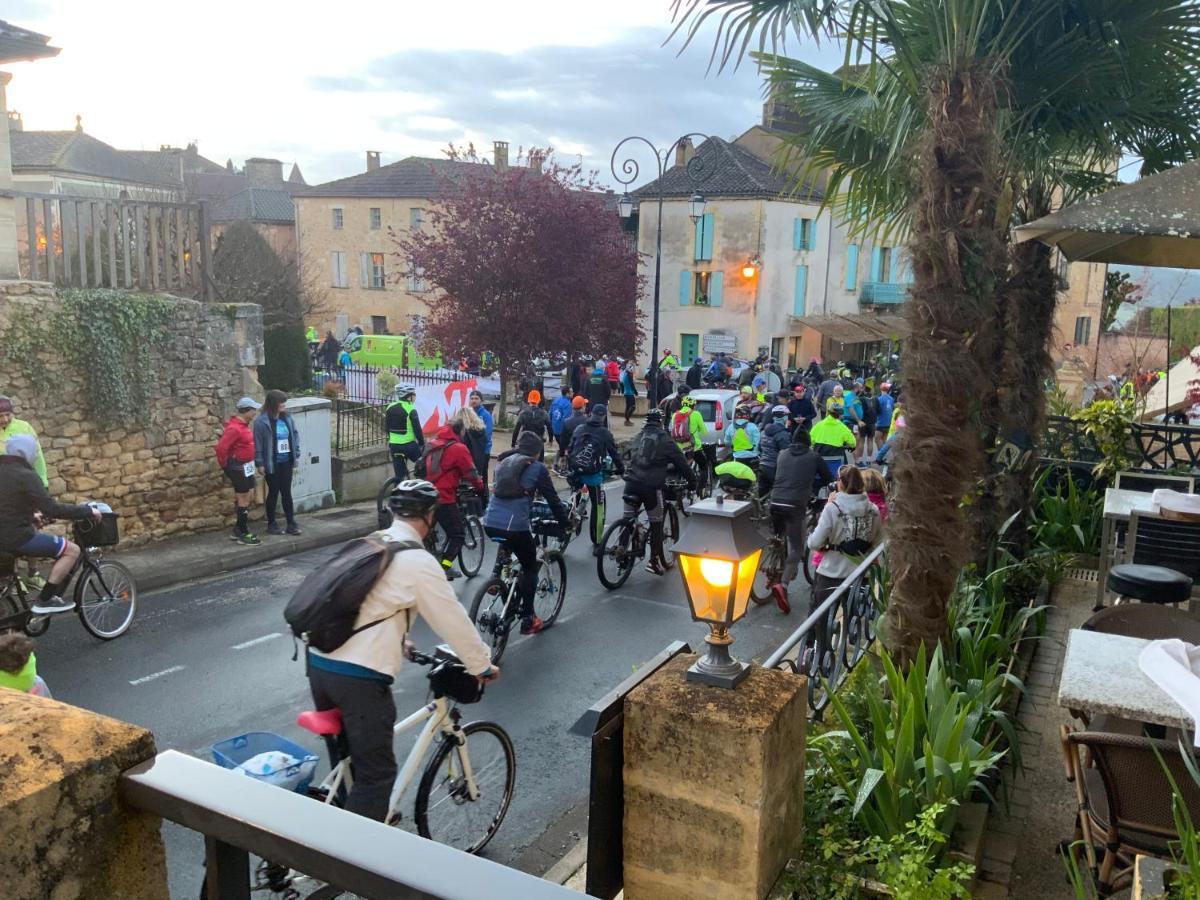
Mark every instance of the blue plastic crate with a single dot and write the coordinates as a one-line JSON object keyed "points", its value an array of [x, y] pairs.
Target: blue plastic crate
{"points": [[234, 751]]}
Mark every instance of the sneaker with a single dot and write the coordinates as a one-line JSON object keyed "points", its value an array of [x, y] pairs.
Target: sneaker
{"points": [[654, 568], [54, 605], [451, 573], [779, 591], [530, 625], [274, 529], [247, 538], [293, 529]]}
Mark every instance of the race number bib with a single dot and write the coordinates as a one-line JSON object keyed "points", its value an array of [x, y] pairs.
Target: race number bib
{"points": [[248, 469], [283, 447]]}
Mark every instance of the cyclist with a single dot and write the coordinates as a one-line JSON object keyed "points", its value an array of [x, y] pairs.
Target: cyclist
{"points": [[356, 678], [447, 461], [831, 438], [591, 444], [688, 430], [775, 439], [533, 419], [519, 477], [798, 473], [804, 413], [235, 455], [578, 417], [23, 500], [735, 477], [742, 436], [653, 453], [560, 411], [405, 438]]}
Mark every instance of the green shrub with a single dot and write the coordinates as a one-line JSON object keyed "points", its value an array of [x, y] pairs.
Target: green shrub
{"points": [[287, 366], [1065, 518], [1108, 422]]}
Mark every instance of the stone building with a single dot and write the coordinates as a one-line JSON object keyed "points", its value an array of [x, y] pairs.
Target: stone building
{"points": [[259, 195]]}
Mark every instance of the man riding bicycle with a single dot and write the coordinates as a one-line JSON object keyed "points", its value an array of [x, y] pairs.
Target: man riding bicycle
{"points": [[688, 430], [23, 501], [405, 438], [654, 452], [357, 677], [448, 462], [520, 477], [591, 444], [831, 439]]}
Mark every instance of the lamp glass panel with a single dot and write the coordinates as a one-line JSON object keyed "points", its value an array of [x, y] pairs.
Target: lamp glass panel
{"points": [[745, 578], [708, 584], [625, 206]]}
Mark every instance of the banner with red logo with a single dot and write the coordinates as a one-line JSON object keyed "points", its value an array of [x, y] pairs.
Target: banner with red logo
{"points": [[436, 403]]}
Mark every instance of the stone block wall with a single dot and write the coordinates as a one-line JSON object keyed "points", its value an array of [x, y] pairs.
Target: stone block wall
{"points": [[161, 477]]}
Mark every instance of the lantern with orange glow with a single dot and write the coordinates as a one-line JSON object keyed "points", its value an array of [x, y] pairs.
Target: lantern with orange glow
{"points": [[718, 554], [750, 267]]}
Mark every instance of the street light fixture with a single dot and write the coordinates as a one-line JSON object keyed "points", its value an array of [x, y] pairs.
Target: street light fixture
{"points": [[625, 206], [696, 207], [718, 554], [751, 266]]}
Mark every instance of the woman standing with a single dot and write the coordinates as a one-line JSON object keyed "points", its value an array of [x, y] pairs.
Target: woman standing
{"points": [[276, 450], [476, 401], [467, 423]]}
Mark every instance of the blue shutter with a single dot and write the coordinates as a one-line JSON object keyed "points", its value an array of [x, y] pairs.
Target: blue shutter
{"points": [[685, 288], [698, 226], [716, 288], [876, 264], [812, 234], [798, 234], [798, 302], [708, 236], [852, 267]]}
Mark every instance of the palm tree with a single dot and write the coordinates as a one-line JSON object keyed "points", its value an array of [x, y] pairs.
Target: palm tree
{"points": [[952, 120]]}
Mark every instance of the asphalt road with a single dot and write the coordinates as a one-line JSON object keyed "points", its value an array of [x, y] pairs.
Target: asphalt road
{"points": [[209, 660]]}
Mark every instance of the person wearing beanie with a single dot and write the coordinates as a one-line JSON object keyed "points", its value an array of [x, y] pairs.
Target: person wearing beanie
{"points": [[23, 498], [598, 389], [533, 419], [654, 452], [235, 456], [10, 425]]}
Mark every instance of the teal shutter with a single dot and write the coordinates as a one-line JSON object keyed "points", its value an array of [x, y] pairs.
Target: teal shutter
{"points": [[852, 267], [798, 234], [698, 226], [876, 263], [685, 288], [812, 234], [716, 288], [798, 302], [708, 236]]}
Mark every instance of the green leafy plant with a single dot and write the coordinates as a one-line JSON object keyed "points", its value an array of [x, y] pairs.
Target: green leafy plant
{"points": [[1057, 401], [1184, 881], [286, 361], [1108, 423], [908, 862], [386, 382], [1065, 518], [1083, 886]]}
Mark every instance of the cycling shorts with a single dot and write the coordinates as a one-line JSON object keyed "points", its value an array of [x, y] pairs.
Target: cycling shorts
{"points": [[242, 483], [43, 544]]}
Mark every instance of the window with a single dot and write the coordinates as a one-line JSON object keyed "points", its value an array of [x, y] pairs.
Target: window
{"points": [[416, 218], [379, 325], [338, 267], [804, 234], [337, 218], [1083, 331], [777, 349], [416, 279], [370, 271], [1062, 269], [701, 288], [793, 360], [376, 218], [887, 262], [704, 238]]}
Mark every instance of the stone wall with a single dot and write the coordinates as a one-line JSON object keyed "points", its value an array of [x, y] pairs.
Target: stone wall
{"points": [[162, 477]]}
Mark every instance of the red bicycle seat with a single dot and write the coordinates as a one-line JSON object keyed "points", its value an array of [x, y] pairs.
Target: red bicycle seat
{"points": [[321, 721]]}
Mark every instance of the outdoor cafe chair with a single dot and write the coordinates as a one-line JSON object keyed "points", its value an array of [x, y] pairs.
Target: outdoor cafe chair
{"points": [[1150, 480], [1163, 560], [1124, 800], [1147, 621]]}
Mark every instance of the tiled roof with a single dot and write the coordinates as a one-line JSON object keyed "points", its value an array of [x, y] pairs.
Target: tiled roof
{"points": [[17, 43], [255, 204], [415, 176], [82, 154], [214, 185], [724, 169]]}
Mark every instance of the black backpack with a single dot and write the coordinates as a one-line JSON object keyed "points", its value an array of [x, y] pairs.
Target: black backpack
{"points": [[587, 452], [324, 607], [507, 485]]}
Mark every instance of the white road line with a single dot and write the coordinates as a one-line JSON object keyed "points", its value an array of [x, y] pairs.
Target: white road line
{"points": [[146, 678], [257, 640]]}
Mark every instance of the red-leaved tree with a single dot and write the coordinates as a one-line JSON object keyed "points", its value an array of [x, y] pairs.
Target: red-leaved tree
{"points": [[526, 262]]}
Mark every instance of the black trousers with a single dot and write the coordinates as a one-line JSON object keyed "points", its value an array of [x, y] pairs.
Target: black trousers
{"points": [[524, 547], [368, 714], [822, 587], [790, 521], [402, 455], [279, 487], [630, 407], [450, 517]]}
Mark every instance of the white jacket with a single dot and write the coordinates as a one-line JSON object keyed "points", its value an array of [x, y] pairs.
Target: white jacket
{"points": [[413, 585], [845, 517]]}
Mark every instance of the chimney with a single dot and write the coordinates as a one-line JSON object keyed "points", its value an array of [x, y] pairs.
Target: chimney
{"points": [[684, 151], [372, 160], [536, 157], [500, 155], [79, 124], [264, 173], [15, 122]]}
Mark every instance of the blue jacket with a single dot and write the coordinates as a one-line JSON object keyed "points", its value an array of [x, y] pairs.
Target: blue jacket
{"points": [[628, 387], [887, 404], [752, 432], [512, 514], [488, 425], [560, 411], [264, 441]]}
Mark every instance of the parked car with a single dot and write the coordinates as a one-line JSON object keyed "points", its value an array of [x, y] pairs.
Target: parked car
{"points": [[716, 409]]}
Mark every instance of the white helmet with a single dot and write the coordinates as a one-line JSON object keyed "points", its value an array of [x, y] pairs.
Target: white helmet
{"points": [[404, 389]]}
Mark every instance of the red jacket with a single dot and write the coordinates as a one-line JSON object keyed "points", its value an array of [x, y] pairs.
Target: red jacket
{"points": [[236, 443], [447, 462], [614, 371]]}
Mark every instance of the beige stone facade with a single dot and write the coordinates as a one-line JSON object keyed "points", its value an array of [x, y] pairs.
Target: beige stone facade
{"points": [[1077, 317]]}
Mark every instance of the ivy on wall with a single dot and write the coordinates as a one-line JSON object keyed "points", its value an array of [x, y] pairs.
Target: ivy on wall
{"points": [[107, 339]]}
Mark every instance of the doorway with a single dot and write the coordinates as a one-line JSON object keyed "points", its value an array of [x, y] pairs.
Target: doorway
{"points": [[689, 348]]}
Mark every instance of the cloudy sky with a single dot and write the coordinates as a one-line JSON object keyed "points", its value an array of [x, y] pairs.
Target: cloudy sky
{"points": [[319, 84]]}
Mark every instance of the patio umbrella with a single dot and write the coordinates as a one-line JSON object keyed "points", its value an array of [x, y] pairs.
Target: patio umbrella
{"points": [[1151, 222]]}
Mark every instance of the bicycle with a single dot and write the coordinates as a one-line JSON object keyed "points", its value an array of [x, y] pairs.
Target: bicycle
{"points": [[105, 591], [472, 771], [496, 604], [767, 584], [583, 496], [626, 541], [474, 548]]}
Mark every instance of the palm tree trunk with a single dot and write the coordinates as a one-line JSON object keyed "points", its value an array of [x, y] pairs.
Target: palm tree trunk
{"points": [[956, 257]]}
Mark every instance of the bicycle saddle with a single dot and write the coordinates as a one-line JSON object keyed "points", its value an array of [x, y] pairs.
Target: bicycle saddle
{"points": [[321, 721]]}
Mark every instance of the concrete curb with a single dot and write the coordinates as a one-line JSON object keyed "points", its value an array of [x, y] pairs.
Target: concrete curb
{"points": [[575, 859], [173, 562]]}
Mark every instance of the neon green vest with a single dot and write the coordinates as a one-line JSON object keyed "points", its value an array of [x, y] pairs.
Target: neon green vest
{"points": [[741, 440], [23, 680], [407, 436]]}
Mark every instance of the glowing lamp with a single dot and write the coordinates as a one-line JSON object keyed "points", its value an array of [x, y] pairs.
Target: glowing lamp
{"points": [[625, 206], [718, 554]]}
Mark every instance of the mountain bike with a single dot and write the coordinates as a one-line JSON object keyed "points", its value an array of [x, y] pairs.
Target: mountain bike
{"points": [[767, 584], [497, 603], [474, 548], [626, 541], [465, 789], [582, 497], [105, 591]]}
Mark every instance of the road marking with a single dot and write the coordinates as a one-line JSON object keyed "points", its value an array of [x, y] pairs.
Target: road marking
{"points": [[146, 678], [257, 640]]}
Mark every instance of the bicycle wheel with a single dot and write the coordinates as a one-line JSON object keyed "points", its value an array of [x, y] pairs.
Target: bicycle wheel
{"points": [[105, 598], [578, 512], [487, 612], [770, 568], [474, 548], [599, 505], [614, 559], [670, 532], [382, 511], [551, 587], [445, 811]]}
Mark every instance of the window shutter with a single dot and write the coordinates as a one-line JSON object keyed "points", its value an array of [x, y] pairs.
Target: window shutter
{"points": [[716, 288], [812, 234], [797, 233], [876, 263], [685, 288], [698, 226], [852, 267], [364, 269], [895, 257], [798, 301], [708, 236]]}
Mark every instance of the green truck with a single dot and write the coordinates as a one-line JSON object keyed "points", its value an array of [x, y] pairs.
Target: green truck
{"points": [[389, 351]]}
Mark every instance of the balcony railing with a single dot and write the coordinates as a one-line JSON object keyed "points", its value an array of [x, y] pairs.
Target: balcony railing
{"points": [[883, 293]]}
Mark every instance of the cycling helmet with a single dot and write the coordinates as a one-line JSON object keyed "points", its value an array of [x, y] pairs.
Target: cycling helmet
{"points": [[404, 389], [886, 386], [654, 417], [836, 409], [684, 390], [780, 410], [413, 498], [742, 411], [746, 389], [687, 402]]}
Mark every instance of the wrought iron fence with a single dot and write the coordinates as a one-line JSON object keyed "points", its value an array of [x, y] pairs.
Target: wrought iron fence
{"points": [[78, 241], [358, 426], [361, 383], [1151, 445]]}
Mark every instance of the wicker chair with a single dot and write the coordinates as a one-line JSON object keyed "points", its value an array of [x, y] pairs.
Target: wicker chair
{"points": [[1125, 800]]}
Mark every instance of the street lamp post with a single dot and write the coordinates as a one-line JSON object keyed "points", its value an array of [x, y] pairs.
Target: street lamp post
{"points": [[627, 174]]}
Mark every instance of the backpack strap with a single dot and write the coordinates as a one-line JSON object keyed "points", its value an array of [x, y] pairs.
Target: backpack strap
{"points": [[391, 548]]}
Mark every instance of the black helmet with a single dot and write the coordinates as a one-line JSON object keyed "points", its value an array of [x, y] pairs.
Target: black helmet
{"points": [[413, 498], [654, 417]]}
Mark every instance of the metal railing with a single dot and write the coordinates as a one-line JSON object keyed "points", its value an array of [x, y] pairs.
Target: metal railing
{"points": [[1150, 445], [239, 816], [79, 241], [848, 617], [361, 383], [358, 426], [883, 293]]}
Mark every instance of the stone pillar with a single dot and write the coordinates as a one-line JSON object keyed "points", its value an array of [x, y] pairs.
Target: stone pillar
{"points": [[714, 784], [9, 263], [63, 833]]}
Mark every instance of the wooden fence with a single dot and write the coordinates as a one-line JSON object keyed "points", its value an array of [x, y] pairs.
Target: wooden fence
{"points": [[150, 245]]}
